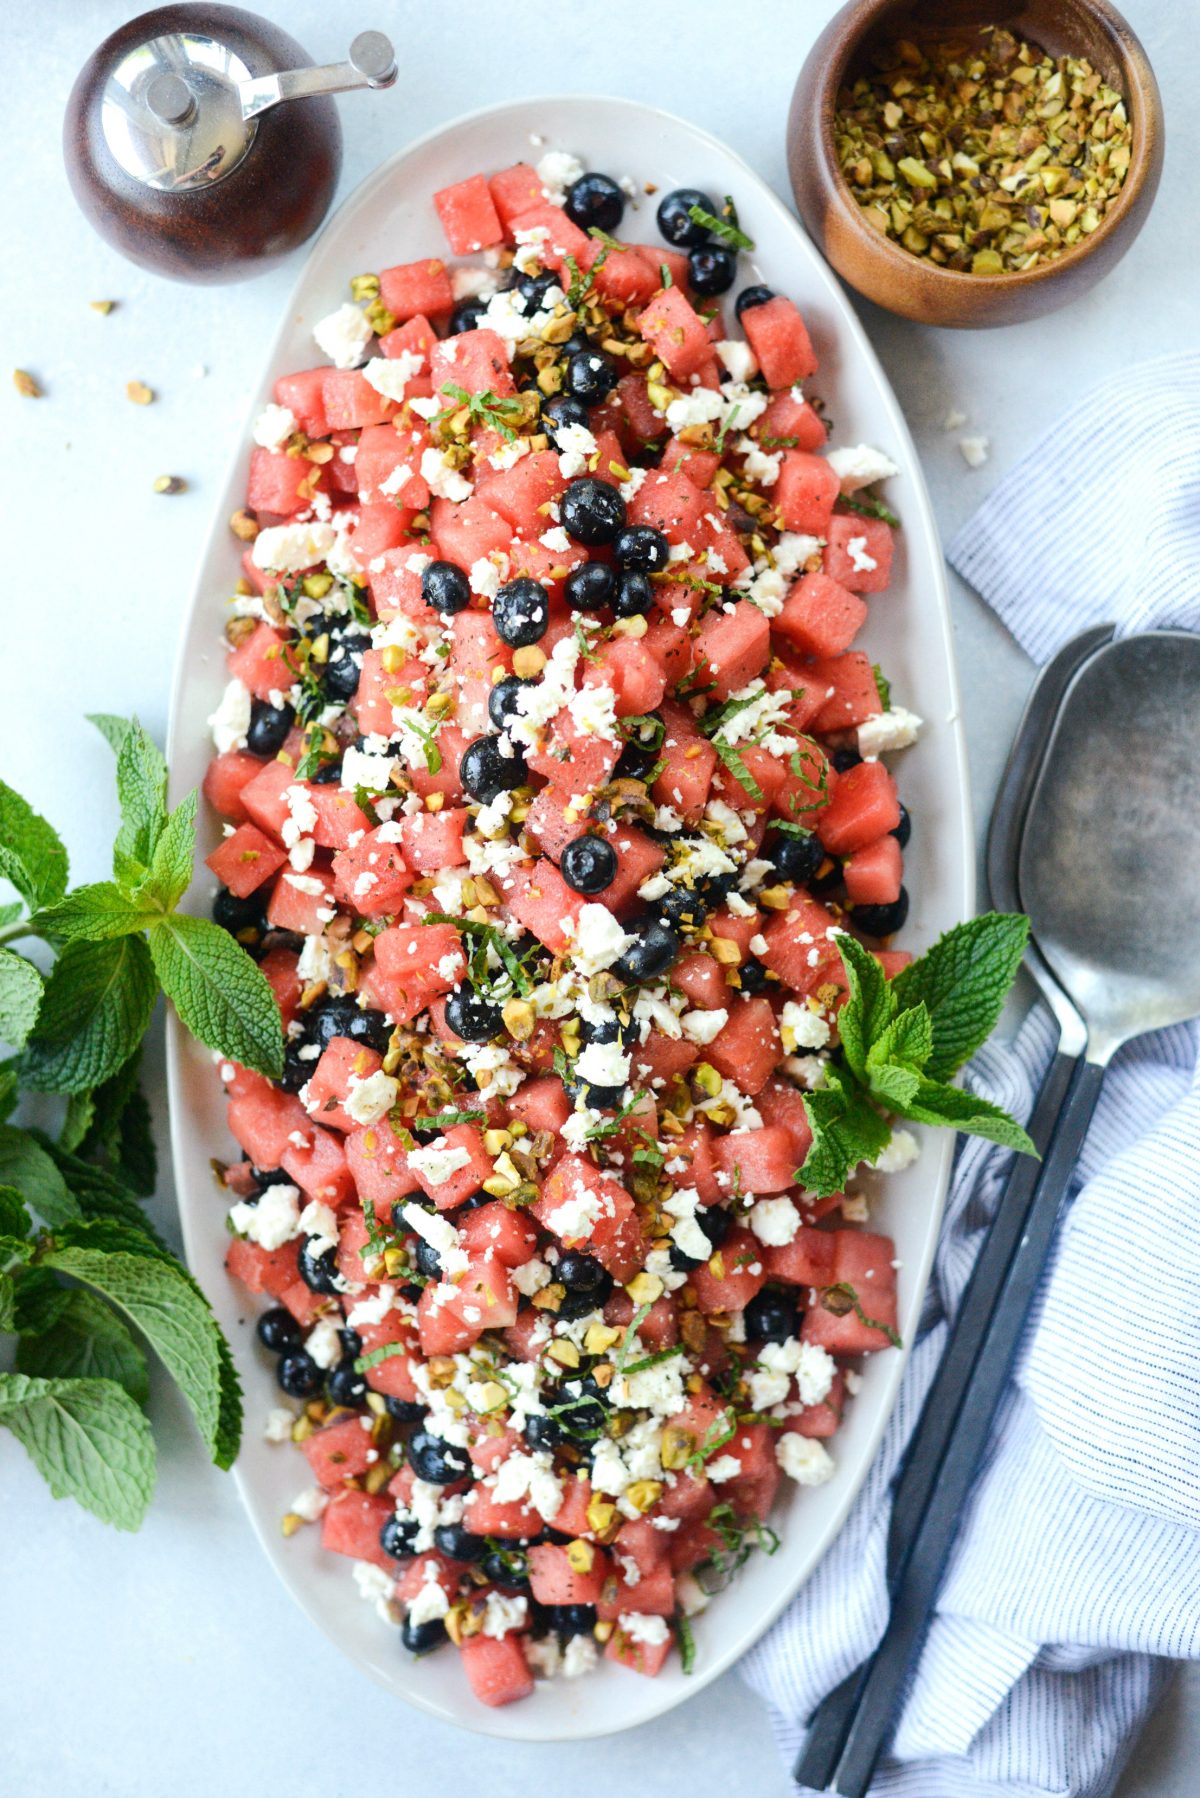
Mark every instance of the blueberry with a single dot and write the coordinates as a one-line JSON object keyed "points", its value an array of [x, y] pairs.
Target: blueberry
{"points": [[682, 905], [752, 296], [318, 1271], [713, 270], [344, 667], [655, 949], [595, 200], [278, 1330], [423, 1638], [471, 1016], [346, 1386], [796, 858], [486, 772], [592, 511], [752, 975], [428, 1261], [641, 546], [299, 1374], [584, 1411], [591, 376], [609, 1030], [445, 588], [273, 1176], [507, 1567], [844, 759], [901, 833], [564, 409], [590, 586], [344, 1016], [715, 1224], [474, 1200], [634, 595], [351, 1342], [502, 700], [675, 220], [239, 915], [881, 920], [635, 760], [579, 1272], [467, 316], [403, 1409], [269, 726], [541, 1431], [456, 1541], [521, 612], [772, 1316], [398, 1535], [329, 774], [589, 864], [436, 1460], [568, 1619], [531, 291], [827, 884]]}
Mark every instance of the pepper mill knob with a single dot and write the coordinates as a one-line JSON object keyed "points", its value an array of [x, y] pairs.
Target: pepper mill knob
{"points": [[180, 148]]}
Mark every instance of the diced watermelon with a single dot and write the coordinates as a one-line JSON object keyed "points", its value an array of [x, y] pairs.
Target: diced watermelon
{"points": [[805, 493], [661, 1057], [263, 1270], [859, 552], [780, 341], [748, 1049], [641, 415], [862, 1261], [787, 416], [588, 1208], [262, 1119], [320, 1168], [690, 762], [553, 1580], [224, 779], [338, 1451], [515, 191], [732, 1275], [764, 1160], [731, 648], [243, 861], [627, 277], [699, 465], [635, 675], [339, 816], [263, 663], [469, 218], [301, 903], [779, 1102], [279, 968], [496, 1668], [853, 695], [863, 808], [416, 287], [467, 531], [561, 238], [539, 897], [872, 873], [303, 394], [379, 1164], [671, 503], [821, 1420], [343, 1065], [352, 1523], [675, 332], [820, 616], [476, 361], [628, 1650], [279, 484], [805, 1261], [752, 1492], [351, 402], [416, 335], [450, 1318], [800, 947], [495, 1230]]}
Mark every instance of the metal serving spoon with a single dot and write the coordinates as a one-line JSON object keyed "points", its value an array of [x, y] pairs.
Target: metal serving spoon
{"points": [[916, 1480], [1109, 873]]}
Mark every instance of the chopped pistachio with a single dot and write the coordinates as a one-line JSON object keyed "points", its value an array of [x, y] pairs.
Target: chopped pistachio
{"points": [[139, 393], [170, 483], [26, 385]]}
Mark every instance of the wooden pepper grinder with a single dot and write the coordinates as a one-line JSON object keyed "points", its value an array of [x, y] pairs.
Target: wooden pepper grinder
{"points": [[179, 148]]}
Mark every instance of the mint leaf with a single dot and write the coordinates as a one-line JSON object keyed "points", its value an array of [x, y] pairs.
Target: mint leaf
{"points": [[41, 1300], [14, 1215], [171, 869], [87, 1439], [963, 981], [20, 997], [32, 856], [114, 730], [936, 1103], [94, 914], [159, 1298], [94, 1014], [8, 1300], [119, 1135], [221, 996], [846, 1129], [87, 1341], [142, 791], [870, 1007], [907, 1042], [8, 1086], [26, 1165], [101, 1197], [77, 1119]]}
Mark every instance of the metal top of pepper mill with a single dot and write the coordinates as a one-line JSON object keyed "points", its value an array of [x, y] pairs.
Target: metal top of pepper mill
{"points": [[180, 111]]}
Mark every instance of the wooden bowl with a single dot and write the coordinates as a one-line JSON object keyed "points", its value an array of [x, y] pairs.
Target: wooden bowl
{"points": [[895, 278]]}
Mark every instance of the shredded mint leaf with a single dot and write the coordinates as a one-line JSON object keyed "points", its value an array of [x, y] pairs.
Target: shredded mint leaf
{"points": [[846, 1129], [32, 856], [87, 1341], [160, 1300], [869, 507], [724, 228], [25, 1165], [221, 996], [883, 687], [20, 997], [171, 868], [88, 1440], [96, 1007], [93, 914], [963, 981]]}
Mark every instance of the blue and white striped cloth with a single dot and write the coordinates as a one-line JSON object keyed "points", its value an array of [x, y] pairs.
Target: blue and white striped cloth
{"points": [[1076, 1577]]}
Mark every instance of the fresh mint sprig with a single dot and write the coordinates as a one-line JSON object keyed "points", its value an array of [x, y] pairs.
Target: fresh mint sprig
{"points": [[86, 1283], [903, 1040]]}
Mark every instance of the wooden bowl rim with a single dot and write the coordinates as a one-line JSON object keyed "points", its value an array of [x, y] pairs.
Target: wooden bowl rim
{"points": [[1146, 115]]}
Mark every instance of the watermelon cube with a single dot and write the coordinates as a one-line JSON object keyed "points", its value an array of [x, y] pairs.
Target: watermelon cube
{"points": [[748, 1049], [469, 217], [801, 944], [339, 816], [496, 1668], [343, 1065], [539, 897], [671, 503], [279, 484], [820, 617], [764, 1160], [303, 394], [627, 277], [554, 234], [372, 878], [793, 418], [630, 1649], [643, 418], [807, 1260], [244, 860], [553, 1580], [410, 288], [301, 903], [467, 530], [351, 402], [515, 191], [319, 1167], [634, 673], [262, 1120], [863, 807], [731, 648], [805, 493], [378, 1160], [732, 1275], [520, 493], [872, 873], [433, 841], [779, 338], [352, 1523], [264, 662], [416, 336], [476, 361], [858, 552], [450, 1318], [852, 695], [224, 779], [780, 1103], [263, 1270], [864, 1262], [339, 1451], [675, 332], [449, 1186]]}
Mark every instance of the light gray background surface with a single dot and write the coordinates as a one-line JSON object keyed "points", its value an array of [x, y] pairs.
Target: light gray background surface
{"points": [[172, 1662]]}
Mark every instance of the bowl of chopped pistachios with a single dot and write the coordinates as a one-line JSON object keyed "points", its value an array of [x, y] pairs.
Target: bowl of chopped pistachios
{"points": [[970, 164]]}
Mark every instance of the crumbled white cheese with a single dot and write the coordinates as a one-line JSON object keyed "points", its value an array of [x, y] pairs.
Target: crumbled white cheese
{"points": [[860, 467], [974, 450], [737, 357], [444, 480], [390, 375], [893, 729], [277, 1425], [442, 1238], [901, 1151], [343, 336], [861, 559], [557, 171], [438, 1162], [639, 1627], [802, 1028], [804, 1459], [370, 1099], [575, 445], [323, 1343], [288, 548], [599, 939], [273, 1220], [231, 720], [774, 1221], [702, 1026], [273, 426]]}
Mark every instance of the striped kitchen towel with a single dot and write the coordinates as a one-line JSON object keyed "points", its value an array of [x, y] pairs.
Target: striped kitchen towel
{"points": [[1075, 1581]]}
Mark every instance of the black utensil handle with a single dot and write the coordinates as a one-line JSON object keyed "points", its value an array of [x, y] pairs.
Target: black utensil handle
{"points": [[917, 1592], [917, 1478]]}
